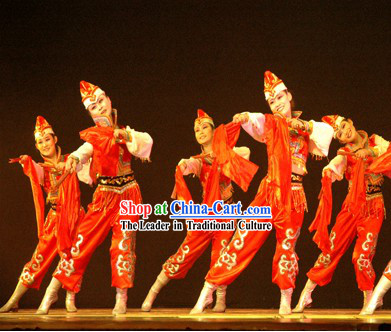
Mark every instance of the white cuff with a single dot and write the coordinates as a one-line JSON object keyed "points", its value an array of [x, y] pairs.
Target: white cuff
{"points": [[141, 144], [255, 126]]}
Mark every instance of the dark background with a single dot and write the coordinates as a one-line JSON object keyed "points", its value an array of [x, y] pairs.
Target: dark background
{"points": [[159, 62]]}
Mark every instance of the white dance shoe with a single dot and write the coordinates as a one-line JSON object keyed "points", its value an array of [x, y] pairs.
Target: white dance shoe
{"points": [[50, 297], [205, 299], [160, 282], [305, 297]]}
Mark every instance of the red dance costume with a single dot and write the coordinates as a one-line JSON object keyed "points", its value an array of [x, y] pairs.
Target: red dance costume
{"points": [[215, 169], [195, 243], [55, 233], [287, 148], [380, 165], [361, 216], [110, 167], [281, 189], [51, 234], [383, 165]]}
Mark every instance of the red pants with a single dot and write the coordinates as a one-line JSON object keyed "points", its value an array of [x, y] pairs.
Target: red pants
{"points": [[387, 271], [34, 271], [195, 243], [366, 227], [101, 217], [245, 244]]}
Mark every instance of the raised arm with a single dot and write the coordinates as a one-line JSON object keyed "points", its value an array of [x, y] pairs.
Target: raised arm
{"points": [[381, 145], [321, 135], [38, 168], [242, 151], [82, 155], [139, 144], [252, 123], [336, 168], [191, 166]]}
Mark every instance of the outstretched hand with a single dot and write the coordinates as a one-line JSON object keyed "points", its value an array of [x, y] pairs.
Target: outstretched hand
{"points": [[363, 153], [241, 118], [70, 165], [23, 158], [296, 124], [119, 133]]}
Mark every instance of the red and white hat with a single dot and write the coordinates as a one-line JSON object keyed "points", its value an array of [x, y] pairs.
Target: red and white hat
{"points": [[89, 93], [42, 128], [272, 85], [334, 121], [203, 117]]}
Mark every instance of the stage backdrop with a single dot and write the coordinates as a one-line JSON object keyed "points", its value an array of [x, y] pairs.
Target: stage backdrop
{"points": [[159, 62]]}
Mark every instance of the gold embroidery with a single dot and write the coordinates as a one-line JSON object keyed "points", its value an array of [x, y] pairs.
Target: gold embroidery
{"points": [[117, 190], [117, 181]]}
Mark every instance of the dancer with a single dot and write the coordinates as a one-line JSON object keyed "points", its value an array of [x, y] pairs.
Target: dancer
{"points": [[381, 165], [55, 232], [205, 167], [361, 215], [289, 140], [110, 148]]}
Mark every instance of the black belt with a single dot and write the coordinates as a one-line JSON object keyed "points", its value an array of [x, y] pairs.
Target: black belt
{"points": [[296, 178], [116, 181], [373, 189]]}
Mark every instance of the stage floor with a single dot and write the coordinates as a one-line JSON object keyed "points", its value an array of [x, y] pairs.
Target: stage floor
{"points": [[179, 319]]}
